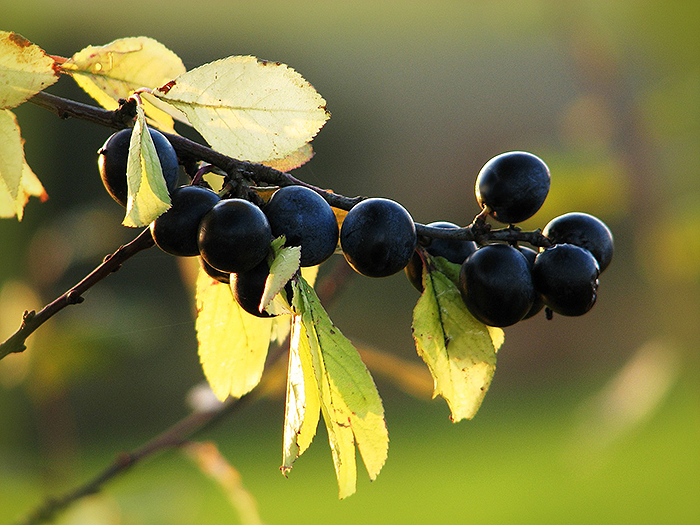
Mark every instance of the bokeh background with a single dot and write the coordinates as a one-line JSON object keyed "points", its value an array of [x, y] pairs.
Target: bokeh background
{"points": [[589, 420]]}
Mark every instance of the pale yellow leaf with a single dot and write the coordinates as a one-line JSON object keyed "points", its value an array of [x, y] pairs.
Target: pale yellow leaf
{"points": [[458, 349], [498, 337], [284, 265], [147, 196], [11, 155], [115, 70], [351, 407], [17, 180], [293, 160], [303, 404], [310, 273], [280, 329], [248, 108], [25, 70], [232, 343]]}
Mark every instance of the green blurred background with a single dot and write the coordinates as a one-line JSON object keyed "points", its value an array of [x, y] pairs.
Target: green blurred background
{"points": [[589, 420]]}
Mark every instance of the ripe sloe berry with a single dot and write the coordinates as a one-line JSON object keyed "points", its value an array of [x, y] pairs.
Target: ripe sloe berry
{"points": [[113, 159], [583, 230], [175, 232], [513, 185], [306, 220], [378, 237], [234, 236], [496, 285], [567, 278]]}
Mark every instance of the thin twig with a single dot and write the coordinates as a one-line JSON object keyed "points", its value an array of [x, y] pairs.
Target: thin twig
{"points": [[32, 320], [181, 432], [174, 437], [186, 148], [238, 170]]}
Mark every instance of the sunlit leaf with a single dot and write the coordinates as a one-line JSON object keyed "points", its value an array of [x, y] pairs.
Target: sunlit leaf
{"points": [[25, 70], [232, 343], [293, 160], [284, 265], [459, 350], [147, 196], [351, 407], [115, 70], [17, 180], [303, 401], [248, 108]]}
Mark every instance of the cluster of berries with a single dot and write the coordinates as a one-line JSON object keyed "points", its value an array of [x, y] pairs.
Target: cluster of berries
{"points": [[232, 236], [500, 283]]}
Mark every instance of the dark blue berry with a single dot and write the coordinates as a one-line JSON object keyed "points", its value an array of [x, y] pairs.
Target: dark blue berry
{"points": [[567, 278], [496, 285], [175, 232], [513, 185], [583, 230], [113, 159], [222, 277], [248, 287], [378, 237], [234, 236], [306, 220]]}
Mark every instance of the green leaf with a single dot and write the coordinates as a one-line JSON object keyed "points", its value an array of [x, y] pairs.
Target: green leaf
{"points": [[459, 350], [25, 70], [349, 401], [147, 196], [114, 71], [17, 180], [232, 343], [303, 405], [248, 108], [284, 265]]}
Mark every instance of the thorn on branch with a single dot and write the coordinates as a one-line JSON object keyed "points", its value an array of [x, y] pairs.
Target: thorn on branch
{"points": [[74, 297]]}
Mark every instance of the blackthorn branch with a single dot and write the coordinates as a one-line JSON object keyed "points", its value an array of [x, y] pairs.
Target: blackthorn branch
{"points": [[31, 320], [240, 174], [184, 430]]}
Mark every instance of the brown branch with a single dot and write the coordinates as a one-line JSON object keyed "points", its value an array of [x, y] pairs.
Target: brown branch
{"points": [[260, 174], [32, 320], [65, 108], [483, 234], [187, 149], [239, 171], [182, 431], [174, 437]]}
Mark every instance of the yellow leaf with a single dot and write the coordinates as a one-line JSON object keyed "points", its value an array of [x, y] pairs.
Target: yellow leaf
{"points": [[303, 404], [351, 407], [232, 343], [284, 265], [17, 180], [147, 196], [247, 108], [25, 69], [458, 349], [115, 70], [309, 273], [293, 160]]}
